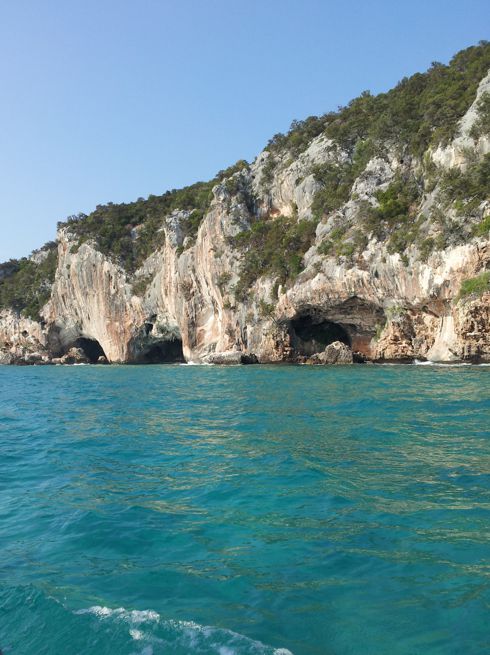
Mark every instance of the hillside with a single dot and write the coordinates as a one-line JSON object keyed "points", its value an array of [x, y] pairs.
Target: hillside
{"points": [[368, 226]]}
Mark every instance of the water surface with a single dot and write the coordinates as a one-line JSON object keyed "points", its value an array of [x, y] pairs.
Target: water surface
{"points": [[244, 510]]}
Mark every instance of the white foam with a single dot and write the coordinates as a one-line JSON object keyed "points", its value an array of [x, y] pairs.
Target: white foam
{"points": [[132, 616], [189, 634], [419, 362]]}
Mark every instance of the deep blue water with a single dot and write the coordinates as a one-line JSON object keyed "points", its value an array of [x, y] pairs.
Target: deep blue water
{"points": [[244, 510]]}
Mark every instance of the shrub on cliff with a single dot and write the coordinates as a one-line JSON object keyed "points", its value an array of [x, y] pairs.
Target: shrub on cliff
{"points": [[467, 188], [475, 285], [112, 226], [421, 110], [482, 124], [27, 285], [273, 247]]}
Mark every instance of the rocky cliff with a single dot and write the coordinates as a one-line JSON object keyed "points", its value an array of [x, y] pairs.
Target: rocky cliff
{"points": [[344, 231]]}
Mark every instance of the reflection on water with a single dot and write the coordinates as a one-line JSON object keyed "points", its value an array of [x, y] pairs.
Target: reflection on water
{"points": [[320, 510]]}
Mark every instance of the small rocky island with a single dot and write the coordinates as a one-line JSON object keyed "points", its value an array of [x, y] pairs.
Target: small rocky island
{"points": [[360, 235]]}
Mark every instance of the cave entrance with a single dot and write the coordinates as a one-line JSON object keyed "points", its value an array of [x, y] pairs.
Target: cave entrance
{"points": [[91, 348], [311, 334], [163, 352]]}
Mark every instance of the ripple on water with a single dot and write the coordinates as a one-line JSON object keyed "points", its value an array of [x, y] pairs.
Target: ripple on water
{"points": [[318, 510]]}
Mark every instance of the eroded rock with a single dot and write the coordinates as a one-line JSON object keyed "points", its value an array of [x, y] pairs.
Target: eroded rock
{"points": [[382, 305], [335, 353]]}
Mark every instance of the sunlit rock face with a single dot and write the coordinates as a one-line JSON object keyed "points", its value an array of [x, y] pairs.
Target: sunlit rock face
{"points": [[378, 305], [22, 341]]}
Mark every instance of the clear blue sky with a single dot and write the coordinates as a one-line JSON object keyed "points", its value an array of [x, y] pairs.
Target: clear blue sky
{"points": [[109, 100]]}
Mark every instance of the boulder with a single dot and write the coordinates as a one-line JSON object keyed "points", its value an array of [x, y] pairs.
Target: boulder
{"points": [[231, 357], [335, 353], [74, 356]]}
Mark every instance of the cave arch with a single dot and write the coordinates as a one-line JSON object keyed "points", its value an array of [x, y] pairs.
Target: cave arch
{"points": [[162, 352], [90, 347], [311, 333]]}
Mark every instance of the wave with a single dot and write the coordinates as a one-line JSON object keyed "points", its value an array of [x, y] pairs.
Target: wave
{"points": [[157, 635], [419, 362], [35, 622]]}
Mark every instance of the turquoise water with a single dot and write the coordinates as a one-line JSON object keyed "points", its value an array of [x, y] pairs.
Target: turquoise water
{"points": [[244, 510]]}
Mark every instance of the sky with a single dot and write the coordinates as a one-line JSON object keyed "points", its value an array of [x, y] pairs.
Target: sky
{"points": [[111, 100]]}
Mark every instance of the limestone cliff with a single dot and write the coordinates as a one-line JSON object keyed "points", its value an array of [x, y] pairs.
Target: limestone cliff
{"points": [[386, 284]]}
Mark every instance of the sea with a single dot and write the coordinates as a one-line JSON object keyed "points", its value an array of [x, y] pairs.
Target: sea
{"points": [[252, 510]]}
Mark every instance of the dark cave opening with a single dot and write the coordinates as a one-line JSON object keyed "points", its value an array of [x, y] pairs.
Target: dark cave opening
{"points": [[163, 352], [91, 348], [311, 334]]}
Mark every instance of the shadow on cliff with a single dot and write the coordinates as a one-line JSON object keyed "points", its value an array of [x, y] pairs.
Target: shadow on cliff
{"points": [[149, 346], [353, 322], [161, 352], [91, 348], [311, 334]]}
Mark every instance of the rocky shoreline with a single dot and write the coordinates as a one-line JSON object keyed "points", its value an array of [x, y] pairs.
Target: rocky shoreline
{"points": [[335, 354]]}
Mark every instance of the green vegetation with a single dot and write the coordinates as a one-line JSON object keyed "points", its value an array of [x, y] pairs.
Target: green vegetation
{"points": [[26, 285], [426, 247], [483, 228], [266, 309], [475, 285], [273, 247], [130, 232], [393, 221], [336, 182], [111, 226], [421, 110], [141, 285], [395, 312], [299, 136], [336, 179], [482, 125], [336, 244], [394, 218], [467, 189], [223, 280]]}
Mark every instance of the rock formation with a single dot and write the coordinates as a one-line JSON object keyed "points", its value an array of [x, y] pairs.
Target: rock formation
{"points": [[355, 291], [335, 353]]}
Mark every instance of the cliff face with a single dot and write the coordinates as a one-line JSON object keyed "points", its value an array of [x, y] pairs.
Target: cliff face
{"points": [[187, 300], [21, 340]]}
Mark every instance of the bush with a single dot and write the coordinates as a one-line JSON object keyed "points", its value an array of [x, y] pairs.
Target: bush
{"points": [[467, 189], [223, 280], [266, 309], [475, 285], [111, 226], [394, 218], [336, 182], [426, 247], [421, 110], [140, 286], [298, 137], [26, 285], [482, 124], [272, 247], [483, 228]]}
